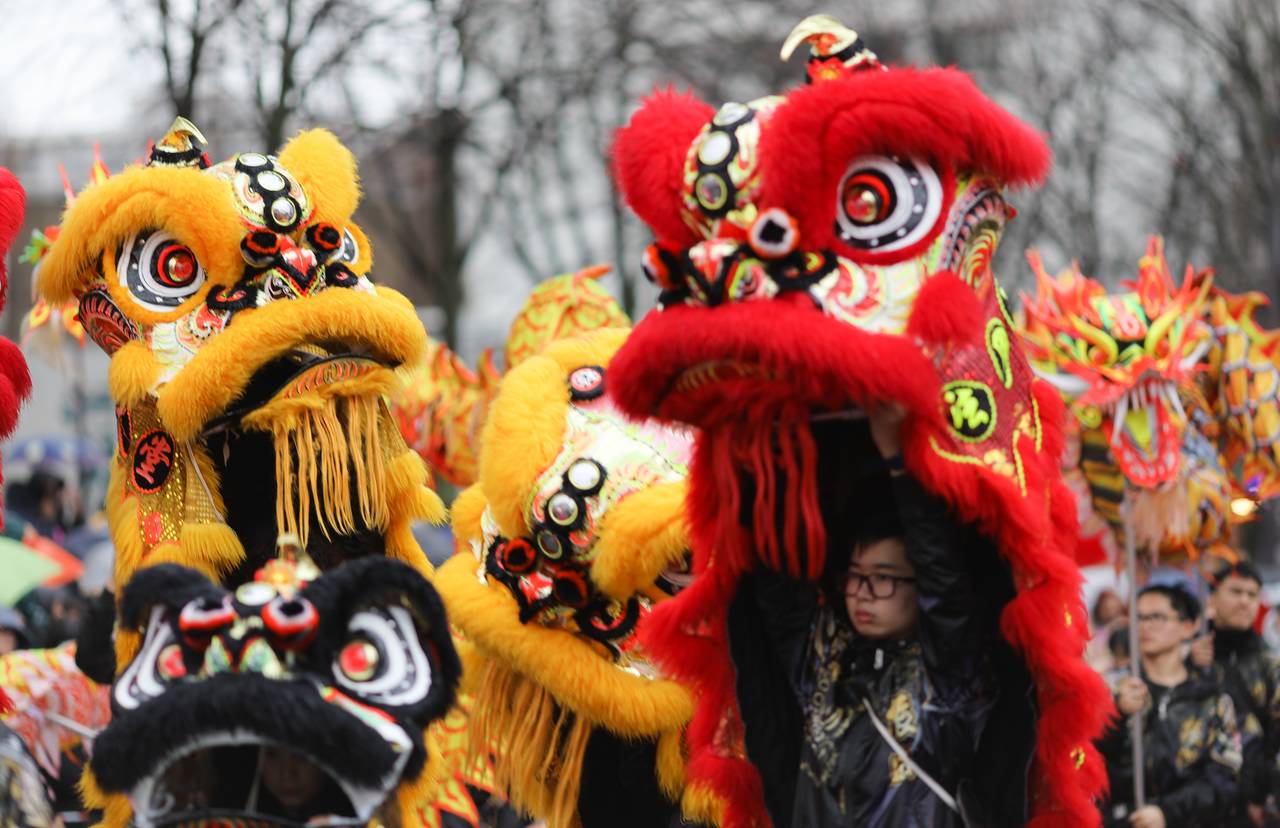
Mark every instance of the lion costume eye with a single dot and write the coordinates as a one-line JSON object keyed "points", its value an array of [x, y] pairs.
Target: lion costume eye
{"points": [[350, 248], [160, 272], [382, 661], [885, 204]]}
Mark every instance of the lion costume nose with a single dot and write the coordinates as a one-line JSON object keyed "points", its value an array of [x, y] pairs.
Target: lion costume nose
{"points": [[301, 259], [723, 270]]}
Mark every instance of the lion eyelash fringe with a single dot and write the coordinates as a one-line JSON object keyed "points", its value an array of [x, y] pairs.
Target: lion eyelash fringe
{"points": [[323, 441], [538, 746]]}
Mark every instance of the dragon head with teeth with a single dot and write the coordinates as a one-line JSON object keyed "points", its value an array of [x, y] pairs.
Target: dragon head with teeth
{"points": [[819, 253], [1122, 358], [1173, 388]]}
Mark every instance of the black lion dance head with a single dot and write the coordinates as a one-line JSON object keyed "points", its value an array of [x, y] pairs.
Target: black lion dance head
{"points": [[297, 699]]}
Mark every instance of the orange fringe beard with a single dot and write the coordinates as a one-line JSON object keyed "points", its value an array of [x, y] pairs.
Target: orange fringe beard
{"points": [[537, 746], [328, 443]]}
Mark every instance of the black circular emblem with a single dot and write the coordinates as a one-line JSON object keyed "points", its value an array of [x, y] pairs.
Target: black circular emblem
{"points": [[971, 409], [153, 460]]}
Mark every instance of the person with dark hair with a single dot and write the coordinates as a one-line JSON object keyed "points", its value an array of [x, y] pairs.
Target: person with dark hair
{"points": [[13, 630], [890, 662], [1108, 609], [1108, 619], [38, 500], [1190, 736], [1251, 674]]}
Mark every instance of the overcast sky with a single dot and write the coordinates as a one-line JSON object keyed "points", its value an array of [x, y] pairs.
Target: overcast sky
{"points": [[67, 67]]}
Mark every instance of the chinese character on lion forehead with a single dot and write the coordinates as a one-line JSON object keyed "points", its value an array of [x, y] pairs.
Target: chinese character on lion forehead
{"points": [[818, 253]]}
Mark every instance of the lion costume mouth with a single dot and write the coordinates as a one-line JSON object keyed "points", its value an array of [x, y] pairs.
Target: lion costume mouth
{"points": [[216, 778], [820, 253], [250, 356], [299, 698]]}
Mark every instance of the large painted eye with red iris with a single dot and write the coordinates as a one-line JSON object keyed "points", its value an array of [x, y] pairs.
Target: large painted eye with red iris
{"points": [[159, 270], [885, 204], [383, 660]]}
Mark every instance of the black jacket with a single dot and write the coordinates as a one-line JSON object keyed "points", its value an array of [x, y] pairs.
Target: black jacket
{"points": [[1251, 675], [935, 693], [1191, 754]]}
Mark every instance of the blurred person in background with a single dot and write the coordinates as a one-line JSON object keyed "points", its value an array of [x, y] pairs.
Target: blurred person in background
{"points": [[54, 614], [1190, 737], [1109, 610], [13, 630], [38, 500], [1251, 674], [1109, 616]]}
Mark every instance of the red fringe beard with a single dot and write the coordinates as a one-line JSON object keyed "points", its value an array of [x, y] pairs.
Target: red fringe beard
{"points": [[772, 454]]}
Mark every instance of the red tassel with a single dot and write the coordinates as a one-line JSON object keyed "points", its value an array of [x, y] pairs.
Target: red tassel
{"points": [[782, 462]]}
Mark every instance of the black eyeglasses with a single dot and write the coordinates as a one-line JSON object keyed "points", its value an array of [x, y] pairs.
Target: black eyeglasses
{"points": [[1157, 618], [879, 584]]}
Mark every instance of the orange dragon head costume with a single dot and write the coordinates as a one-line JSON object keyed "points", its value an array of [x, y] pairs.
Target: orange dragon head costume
{"points": [[250, 353], [1173, 388], [819, 252]]}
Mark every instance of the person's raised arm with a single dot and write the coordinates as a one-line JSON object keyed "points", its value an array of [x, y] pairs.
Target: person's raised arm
{"points": [[933, 543]]}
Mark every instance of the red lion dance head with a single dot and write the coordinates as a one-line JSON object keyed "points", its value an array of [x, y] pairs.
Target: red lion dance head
{"points": [[819, 252], [15, 380]]}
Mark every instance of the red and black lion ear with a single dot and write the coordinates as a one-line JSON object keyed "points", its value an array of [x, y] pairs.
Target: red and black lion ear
{"points": [[168, 585], [649, 154]]}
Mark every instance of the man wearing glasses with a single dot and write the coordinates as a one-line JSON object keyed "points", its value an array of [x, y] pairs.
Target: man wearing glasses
{"points": [[1190, 739], [1251, 674], [891, 665]]}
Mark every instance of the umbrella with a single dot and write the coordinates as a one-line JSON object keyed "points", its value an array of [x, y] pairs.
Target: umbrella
{"points": [[23, 568], [69, 566], [61, 449]]}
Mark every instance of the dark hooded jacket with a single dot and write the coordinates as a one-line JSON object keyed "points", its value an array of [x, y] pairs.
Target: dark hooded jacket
{"points": [[1191, 754], [1251, 675], [934, 693]]}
